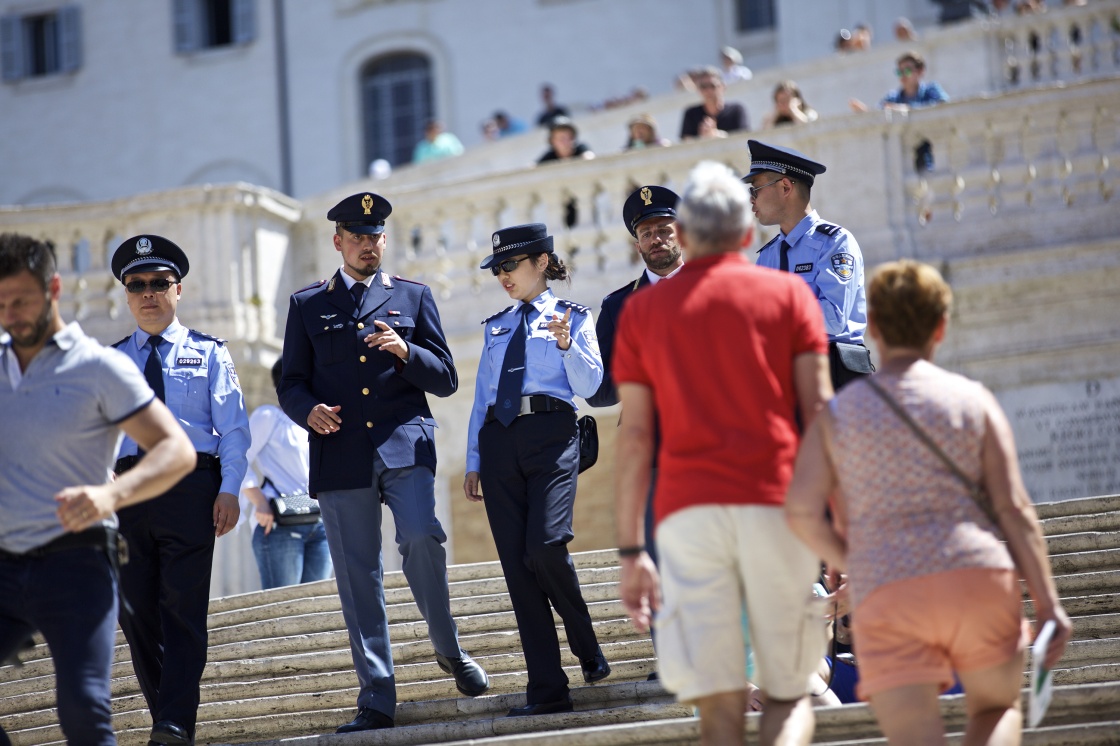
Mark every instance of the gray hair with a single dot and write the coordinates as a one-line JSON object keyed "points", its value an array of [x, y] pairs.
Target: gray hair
{"points": [[715, 208]]}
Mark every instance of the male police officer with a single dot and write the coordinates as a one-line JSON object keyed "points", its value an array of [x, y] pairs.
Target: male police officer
{"points": [[63, 401], [823, 254], [171, 538], [361, 350]]}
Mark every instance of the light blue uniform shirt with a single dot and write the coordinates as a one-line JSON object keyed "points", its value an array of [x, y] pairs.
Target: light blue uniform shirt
{"points": [[202, 391], [828, 258], [564, 374]]}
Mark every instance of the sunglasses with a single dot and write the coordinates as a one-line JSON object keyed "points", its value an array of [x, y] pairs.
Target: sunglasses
{"points": [[507, 266], [158, 286], [905, 72], [754, 190]]}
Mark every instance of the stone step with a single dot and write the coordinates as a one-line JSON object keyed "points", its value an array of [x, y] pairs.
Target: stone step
{"points": [[1080, 506], [1071, 524], [1083, 541]]}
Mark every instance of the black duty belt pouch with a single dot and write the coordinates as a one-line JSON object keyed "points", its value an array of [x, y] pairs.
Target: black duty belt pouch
{"points": [[296, 509], [850, 357], [588, 442]]}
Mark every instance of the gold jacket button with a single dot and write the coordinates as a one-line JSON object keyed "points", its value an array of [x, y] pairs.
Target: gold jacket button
{"points": [[361, 325], [365, 392], [361, 358], [369, 424], [326, 328]]}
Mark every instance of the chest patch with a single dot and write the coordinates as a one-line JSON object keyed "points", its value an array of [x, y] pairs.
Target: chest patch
{"points": [[192, 361], [803, 268], [844, 265]]}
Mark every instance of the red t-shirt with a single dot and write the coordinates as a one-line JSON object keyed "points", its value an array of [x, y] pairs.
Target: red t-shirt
{"points": [[716, 345]]}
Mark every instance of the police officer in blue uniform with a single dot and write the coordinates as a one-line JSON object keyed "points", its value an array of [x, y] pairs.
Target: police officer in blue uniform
{"points": [[361, 352], [171, 538], [523, 450], [823, 254]]}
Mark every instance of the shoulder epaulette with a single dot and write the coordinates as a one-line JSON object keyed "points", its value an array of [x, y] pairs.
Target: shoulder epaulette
{"points": [[768, 244], [315, 284], [499, 313], [405, 279], [829, 229], [118, 345], [204, 335], [572, 305]]}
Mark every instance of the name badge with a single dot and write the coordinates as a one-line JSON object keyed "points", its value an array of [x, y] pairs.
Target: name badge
{"points": [[803, 268], [195, 361]]}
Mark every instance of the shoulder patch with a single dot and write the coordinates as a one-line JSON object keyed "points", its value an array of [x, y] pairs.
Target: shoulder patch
{"points": [[204, 335], [844, 265], [118, 345], [572, 305], [315, 284], [499, 313], [405, 279], [768, 244], [829, 229]]}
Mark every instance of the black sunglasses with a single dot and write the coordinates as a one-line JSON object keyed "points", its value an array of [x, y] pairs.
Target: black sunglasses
{"points": [[157, 286], [507, 266]]}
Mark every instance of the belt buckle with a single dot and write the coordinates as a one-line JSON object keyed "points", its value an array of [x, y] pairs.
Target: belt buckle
{"points": [[526, 405]]}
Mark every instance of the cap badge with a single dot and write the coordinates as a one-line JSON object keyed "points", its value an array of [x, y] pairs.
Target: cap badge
{"points": [[497, 240], [367, 203], [646, 195], [143, 247]]}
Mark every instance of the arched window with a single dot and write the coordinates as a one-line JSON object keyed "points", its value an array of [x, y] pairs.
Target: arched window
{"points": [[396, 104]]}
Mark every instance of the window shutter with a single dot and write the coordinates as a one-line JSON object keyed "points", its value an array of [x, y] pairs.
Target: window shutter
{"points": [[11, 47], [69, 39], [187, 26], [244, 21]]}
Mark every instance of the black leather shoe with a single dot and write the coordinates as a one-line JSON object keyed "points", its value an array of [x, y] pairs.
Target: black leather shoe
{"points": [[170, 734], [595, 669], [470, 678], [367, 719], [544, 708], [653, 676]]}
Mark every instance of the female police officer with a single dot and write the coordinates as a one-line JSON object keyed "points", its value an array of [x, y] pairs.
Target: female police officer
{"points": [[523, 444]]}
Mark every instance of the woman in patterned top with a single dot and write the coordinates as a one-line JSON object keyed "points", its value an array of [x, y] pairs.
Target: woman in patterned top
{"points": [[934, 589]]}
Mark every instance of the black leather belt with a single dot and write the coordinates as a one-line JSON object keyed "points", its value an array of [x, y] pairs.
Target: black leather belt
{"points": [[206, 461], [535, 404], [98, 537]]}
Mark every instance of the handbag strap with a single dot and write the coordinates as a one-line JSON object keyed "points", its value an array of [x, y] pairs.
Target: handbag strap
{"points": [[924, 437]]}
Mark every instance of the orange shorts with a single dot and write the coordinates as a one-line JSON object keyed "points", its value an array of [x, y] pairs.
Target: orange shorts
{"points": [[919, 631]]}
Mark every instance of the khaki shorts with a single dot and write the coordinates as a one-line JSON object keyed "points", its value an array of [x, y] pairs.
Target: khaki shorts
{"points": [[919, 631], [714, 559]]}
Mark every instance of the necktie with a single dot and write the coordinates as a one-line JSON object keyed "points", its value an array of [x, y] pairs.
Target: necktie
{"points": [[784, 261], [508, 404], [358, 291], [153, 369]]}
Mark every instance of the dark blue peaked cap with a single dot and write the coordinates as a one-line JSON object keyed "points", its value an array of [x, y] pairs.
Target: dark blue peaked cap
{"points": [[531, 238], [362, 213], [149, 253], [785, 161], [648, 202]]}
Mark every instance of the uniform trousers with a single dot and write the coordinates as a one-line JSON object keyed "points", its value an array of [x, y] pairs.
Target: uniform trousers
{"points": [[71, 597], [167, 583], [528, 474], [352, 519]]}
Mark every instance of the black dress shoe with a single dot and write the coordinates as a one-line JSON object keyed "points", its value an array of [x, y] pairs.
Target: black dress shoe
{"points": [[470, 678], [170, 734], [653, 676], [367, 719], [595, 669], [543, 708]]}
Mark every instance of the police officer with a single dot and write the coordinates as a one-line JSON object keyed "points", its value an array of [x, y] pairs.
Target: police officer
{"points": [[63, 401], [171, 538], [823, 254], [361, 351], [523, 447]]}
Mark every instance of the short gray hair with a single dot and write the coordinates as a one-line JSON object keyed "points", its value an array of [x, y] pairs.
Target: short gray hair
{"points": [[715, 208]]}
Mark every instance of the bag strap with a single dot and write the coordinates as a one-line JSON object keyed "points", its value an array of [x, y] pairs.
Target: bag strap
{"points": [[973, 487]]}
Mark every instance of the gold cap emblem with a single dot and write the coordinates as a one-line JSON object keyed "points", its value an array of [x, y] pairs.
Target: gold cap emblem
{"points": [[367, 203], [646, 195]]}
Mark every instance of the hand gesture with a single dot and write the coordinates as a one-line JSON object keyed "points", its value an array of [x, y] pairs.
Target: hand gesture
{"points": [[387, 339], [470, 487], [324, 420], [561, 328]]}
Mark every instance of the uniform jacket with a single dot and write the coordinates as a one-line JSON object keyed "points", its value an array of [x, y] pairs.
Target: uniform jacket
{"points": [[384, 408], [605, 328]]}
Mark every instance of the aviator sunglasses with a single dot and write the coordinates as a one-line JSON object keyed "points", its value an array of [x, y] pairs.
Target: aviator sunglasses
{"points": [[158, 286], [507, 266]]}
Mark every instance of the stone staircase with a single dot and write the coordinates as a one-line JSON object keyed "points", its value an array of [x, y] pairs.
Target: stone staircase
{"points": [[280, 668]]}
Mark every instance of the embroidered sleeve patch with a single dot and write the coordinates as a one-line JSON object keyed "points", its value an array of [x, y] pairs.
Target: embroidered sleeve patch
{"points": [[844, 265]]}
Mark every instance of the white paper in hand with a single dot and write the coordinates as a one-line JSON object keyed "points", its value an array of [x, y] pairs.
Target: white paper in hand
{"points": [[1042, 683]]}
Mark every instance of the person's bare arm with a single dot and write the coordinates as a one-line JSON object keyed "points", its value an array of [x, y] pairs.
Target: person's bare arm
{"points": [[639, 582], [814, 481], [169, 457], [812, 384]]}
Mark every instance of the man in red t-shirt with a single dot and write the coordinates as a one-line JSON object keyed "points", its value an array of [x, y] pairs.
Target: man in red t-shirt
{"points": [[725, 356]]}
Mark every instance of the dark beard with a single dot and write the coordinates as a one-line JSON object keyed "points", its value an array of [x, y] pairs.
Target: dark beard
{"points": [[665, 262], [38, 332]]}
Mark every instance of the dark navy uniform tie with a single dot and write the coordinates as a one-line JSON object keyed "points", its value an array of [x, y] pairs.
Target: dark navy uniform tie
{"points": [[358, 291], [508, 404], [153, 369], [783, 264]]}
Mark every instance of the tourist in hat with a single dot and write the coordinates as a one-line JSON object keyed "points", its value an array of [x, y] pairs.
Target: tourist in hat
{"points": [[823, 254], [362, 351], [171, 538], [523, 450], [642, 130]]}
